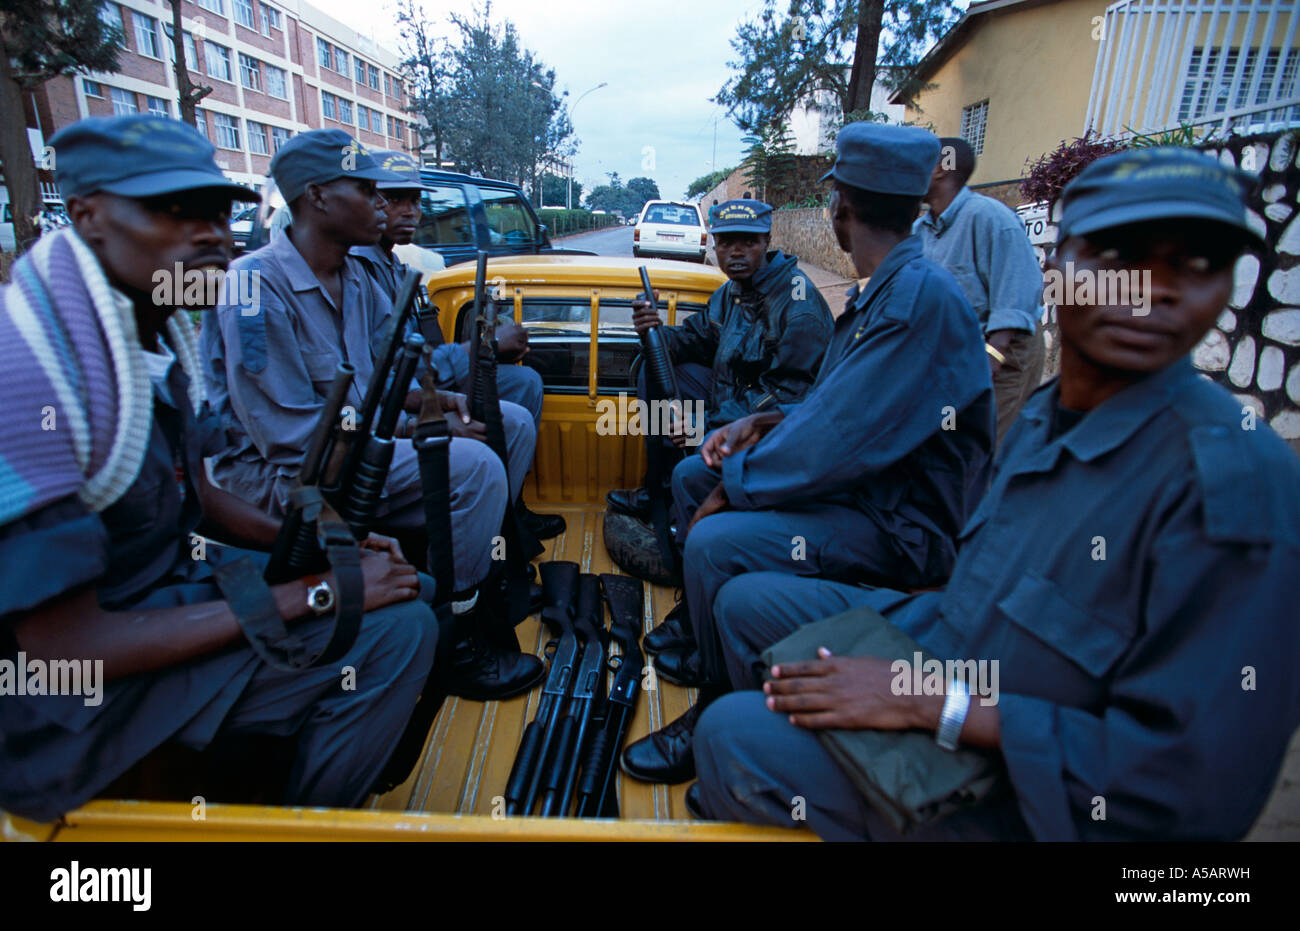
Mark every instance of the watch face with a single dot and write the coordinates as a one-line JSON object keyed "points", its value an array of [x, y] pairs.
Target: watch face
{"points": [[320, 598]]}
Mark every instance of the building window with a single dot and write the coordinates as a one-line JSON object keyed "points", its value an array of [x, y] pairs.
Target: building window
{"points": [[360, 71], [340, 61], [1202, 98], [92, 88], [156, 105], [257, 138], [973, 119], [110, 14], [279, 136], [191, 53], [327, 106], [275, 82], [218, 58], [345, 111], [213, 6], [270, 20], [146, 35], [124, 102], [227, 131], [244, 14], [374, 76], [322, 53], [250, 72]]}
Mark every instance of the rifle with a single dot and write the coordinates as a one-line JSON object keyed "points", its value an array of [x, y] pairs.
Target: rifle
{"points": [[661, 380], [312, 538], [298, 549], [562, 769], [596, 795], [559, 585], [360, 457], [508, 600]]}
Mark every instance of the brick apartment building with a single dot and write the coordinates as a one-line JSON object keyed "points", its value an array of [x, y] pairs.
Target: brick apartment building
{"points": [[276, 69]]}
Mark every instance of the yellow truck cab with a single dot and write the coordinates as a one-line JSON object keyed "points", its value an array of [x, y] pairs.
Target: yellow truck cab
{"points": [[577, 310]]}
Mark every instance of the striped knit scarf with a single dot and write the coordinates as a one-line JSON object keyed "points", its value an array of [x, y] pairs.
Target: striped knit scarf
{"points": [[74, 386]]}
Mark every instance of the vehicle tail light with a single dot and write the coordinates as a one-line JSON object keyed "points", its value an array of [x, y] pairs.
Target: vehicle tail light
{"points": [[636, 235], [704, 239]]}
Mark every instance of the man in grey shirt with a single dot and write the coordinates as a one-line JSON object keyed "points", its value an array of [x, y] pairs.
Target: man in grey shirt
{"points": [[983, 244], [271, 351]]}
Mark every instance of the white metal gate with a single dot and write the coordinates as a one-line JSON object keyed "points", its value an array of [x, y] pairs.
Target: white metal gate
{"points": [[1215, 63]]}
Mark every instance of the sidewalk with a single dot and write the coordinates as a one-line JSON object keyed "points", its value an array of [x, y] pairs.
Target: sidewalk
{"points": [[832, 285]]}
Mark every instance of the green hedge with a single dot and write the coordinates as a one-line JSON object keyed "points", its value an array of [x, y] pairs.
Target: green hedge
{"points": [[563, 222]]}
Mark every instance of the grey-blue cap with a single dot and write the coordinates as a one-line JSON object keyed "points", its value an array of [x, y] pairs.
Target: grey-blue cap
{"points": [[885, 159], [138, 155], [740, 216], [321, 156], [1157, 183], [401, 164]]}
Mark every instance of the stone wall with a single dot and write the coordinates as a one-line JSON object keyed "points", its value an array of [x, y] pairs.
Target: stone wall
{"points": [[806, 232]]}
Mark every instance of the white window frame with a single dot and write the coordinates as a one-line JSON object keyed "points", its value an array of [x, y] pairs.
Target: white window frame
{"points": [[328, 111], [121, 106], [341, 55], [345, 106], [250, 72], [372, 74], [110, 14], [257, 131], [359, 65], [97, 93], [213, 6], [146, 35], [161, 110], [281, 77], [279, 136], [974, 124], [270, 20], [226, 128], [326, 51], [240, 8], [191, 47], [222, 54], [201, 122]]}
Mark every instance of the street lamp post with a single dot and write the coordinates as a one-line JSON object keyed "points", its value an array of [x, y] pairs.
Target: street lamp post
{"points": [[569, 196]]}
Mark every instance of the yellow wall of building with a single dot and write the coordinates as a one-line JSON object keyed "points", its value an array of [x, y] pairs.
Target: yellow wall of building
{"points": [[1035, 68]]}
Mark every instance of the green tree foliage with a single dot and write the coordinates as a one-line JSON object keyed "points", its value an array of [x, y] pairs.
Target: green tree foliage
{"points": [[825, 46], [39, 40], [488, 102], [770, 164], [555, 190], [706, 183], [627, 199]]}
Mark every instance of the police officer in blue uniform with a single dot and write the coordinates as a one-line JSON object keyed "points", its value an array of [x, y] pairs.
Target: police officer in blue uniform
{"points": [[270, 354], [758, 343], [516, 384], [874, 473], [98, 558], [1131, 570]]}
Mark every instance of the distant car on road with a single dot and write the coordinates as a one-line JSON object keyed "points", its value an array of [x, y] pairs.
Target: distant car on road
{"points": [[670, 229]]}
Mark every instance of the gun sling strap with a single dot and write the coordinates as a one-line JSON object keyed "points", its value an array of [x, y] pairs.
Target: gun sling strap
{"points": [[250, 599], [432, 443]]}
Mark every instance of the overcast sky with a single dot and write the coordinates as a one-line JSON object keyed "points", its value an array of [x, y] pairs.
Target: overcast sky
{"points": [[662, 60]]}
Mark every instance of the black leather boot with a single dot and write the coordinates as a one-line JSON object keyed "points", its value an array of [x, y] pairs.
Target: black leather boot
{"points": [[634, 502], [486, 663], [668, 754], [673, 634], [683, 667], [542, 526]]}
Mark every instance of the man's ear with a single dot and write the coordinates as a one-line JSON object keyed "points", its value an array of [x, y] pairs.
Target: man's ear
{"points": [[315, 196], [86, 214]]}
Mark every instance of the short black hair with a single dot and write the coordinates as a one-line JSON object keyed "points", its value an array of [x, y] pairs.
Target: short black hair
{"points": [[961, 154], [894, 213]]}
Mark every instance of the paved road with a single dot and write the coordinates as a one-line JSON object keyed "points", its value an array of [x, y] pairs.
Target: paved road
{"points": [[615, 241]]}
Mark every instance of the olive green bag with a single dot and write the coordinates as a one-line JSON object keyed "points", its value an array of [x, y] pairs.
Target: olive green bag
{"points": [[907, 777]]}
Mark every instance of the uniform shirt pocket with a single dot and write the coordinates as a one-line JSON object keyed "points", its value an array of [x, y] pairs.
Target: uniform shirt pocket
{"points": [[321, 367], [1092, 643]]}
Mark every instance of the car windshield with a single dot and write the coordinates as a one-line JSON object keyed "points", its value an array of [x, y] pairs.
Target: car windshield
{"points": [[666, 213]]}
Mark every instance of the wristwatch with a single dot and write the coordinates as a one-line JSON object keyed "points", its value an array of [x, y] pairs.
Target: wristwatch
{"points": [[320, 596], [955, 706]]}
